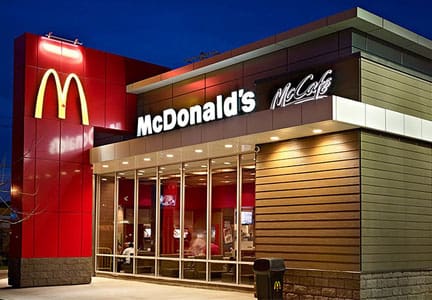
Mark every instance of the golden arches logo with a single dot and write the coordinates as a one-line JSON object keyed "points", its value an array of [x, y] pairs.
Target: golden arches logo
{"points": [[277, 286], [61, 95]]}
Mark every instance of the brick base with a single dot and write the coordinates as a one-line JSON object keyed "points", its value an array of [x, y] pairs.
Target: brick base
{"points": [[321, 285], [397, 285], [31, 272]]}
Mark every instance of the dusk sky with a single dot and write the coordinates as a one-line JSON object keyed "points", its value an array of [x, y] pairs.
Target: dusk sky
{"points": [[170, 32]]}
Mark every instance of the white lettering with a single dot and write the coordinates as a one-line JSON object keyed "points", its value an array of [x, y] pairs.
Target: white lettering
{"points": [[169, 121], [303, 92], [144, 126], [222, 108]]}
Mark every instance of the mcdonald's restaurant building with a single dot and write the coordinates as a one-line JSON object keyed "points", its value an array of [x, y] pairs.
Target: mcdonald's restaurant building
{"points": [[312, 145]]}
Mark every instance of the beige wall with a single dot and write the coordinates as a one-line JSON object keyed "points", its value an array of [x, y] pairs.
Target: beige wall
{"points": [[308, 202], [394, 90], [396, 178]]}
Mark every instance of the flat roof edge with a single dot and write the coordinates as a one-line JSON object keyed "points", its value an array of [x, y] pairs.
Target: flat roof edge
{"points": [[356, 18]]}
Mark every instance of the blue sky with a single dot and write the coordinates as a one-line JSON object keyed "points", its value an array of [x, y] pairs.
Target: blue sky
{"points": [[169, 32]]}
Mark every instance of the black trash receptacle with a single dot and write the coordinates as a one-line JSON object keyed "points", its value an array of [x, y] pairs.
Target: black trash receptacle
{"points": [[269, 273]]}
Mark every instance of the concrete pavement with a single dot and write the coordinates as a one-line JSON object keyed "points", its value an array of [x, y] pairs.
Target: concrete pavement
{"points": [[108, 288]]}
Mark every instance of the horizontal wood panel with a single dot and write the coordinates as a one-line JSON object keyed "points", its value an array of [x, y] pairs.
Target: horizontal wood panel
{"points": [[318, 208], [373, 223], [311, 175], [396, 241], [379, 83], [394, 250], [396, 203], [367, 137], [391, 265], [306, 168], [317, 183], [394, 90], [307, 225], [322, 150], [397, 184], [319, 265], [392, 216], [309, 216], [300, 249], [395, 96], [314, 256], [312, 142], [320, 199], [396, 175], [314, 159], [392, 191], [308, 201], [395, 76], [372, 100], [311, 232], [340, 190]]}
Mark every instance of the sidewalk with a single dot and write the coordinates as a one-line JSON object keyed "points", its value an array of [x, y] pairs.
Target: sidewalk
{"points": [[106, 288]]}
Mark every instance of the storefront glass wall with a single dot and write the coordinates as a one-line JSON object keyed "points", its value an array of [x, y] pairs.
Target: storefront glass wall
{"points": [[192, 221]]}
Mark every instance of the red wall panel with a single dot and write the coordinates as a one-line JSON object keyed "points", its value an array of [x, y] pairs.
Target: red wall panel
{"points": [[51, 155]]}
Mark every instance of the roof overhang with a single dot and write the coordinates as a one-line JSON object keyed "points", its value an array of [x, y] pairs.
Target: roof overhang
{"points": [[331, 114], [355, 18]]}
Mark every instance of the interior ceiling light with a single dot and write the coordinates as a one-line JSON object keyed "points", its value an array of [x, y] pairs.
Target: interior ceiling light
{"points": [[105, 166], [198, 150], [147, 159], [228, 145], [274, 138], [170, 155], [125, 162], [316, 131]]}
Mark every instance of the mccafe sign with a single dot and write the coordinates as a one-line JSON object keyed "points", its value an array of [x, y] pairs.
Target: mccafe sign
{"points": [[306, 90], [239, 102]]}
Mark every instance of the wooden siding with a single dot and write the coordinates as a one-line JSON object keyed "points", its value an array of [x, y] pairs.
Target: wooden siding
{"points": [[308, 202], [396, 204], [384, 87]]}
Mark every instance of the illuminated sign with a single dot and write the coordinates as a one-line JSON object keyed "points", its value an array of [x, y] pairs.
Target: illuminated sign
{"points": [[238, 102], [306, 90], [61, 95]]}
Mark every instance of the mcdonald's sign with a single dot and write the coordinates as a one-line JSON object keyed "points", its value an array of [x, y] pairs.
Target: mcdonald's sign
{"points": [[277, 286], [61, 95]]}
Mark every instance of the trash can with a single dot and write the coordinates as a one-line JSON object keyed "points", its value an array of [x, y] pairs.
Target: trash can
{"points": [[269, 273]]}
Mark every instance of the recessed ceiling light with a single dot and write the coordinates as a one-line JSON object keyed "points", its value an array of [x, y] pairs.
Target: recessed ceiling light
{"points": [[125, 162], [198, 150], [227, 163], [105, 166], [104, 179], [228, 145], [203, 166], [274, 138], [170, 155], [147, 159], [316, 131]]}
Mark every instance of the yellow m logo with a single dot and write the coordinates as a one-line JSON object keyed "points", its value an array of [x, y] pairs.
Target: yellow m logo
{"points": [[61, 95]]}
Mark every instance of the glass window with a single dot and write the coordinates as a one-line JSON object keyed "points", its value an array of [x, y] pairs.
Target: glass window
{"points": [[223, 209], [146, 231], [195, 219], [105, 229], [125, 221], [247, 218], [169, 223]]}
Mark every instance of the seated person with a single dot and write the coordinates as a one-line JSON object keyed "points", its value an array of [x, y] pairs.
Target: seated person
{"points": [[129, 251]]}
